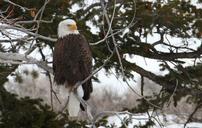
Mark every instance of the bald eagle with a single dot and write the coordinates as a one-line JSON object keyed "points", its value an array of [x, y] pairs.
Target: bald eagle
{"points": [[72, 63]]}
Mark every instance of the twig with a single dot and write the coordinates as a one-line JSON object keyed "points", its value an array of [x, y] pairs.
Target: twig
{"points": [[4, 27], [34, 21], [113, 38], [142, 85], [176, 85], [90, 7], [8, 1], [25, 39], [97, 70], [192, 114], [15, 58], [141, 95], [109, 29], [116, 49], [51, 89], [158, 120], [108, 113]]}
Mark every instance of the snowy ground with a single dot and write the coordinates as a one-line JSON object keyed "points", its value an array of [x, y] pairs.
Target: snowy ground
{"points": [[161, 121]]}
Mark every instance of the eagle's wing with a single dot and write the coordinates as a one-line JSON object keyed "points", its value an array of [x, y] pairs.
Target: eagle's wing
{"points": [[87, 63], [54, 59], [56, 53], [86, 55], [59, 63]]}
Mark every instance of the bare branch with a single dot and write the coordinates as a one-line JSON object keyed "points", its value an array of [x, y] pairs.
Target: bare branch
{"points": [[198, 106], [90, 7], [25, 39], [4, 27], [111, 31], [117, 51], [15, 4], [170, 99], [167, 56], [34, 21], [15, 58]]}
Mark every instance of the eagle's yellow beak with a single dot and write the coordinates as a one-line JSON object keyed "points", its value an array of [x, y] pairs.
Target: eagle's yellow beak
{"points": [[73, 27]]}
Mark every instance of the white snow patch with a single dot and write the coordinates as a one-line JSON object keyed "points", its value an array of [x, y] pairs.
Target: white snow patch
{"points": [[164, 121]]}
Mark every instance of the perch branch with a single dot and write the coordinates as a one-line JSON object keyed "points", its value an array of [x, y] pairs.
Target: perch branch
{"points": [[84, 103]]}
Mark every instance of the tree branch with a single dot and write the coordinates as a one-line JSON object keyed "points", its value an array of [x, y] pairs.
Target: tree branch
{"points": [[4, 27], [198, 106], [154, 54], [169, 85], [111, 31], [17, 5], [15, 58]]}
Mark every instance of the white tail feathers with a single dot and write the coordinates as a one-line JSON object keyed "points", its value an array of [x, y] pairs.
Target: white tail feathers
{"points": [[74, 104]]}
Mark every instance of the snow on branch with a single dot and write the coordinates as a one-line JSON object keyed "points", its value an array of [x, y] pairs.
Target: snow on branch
{"points": [[16, 58], [36, 35]]}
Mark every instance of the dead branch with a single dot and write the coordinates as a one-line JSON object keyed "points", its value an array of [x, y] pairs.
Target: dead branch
{"points": [[16, 58], [5, 27], [111, 31], [198, 106], [17, 5]]}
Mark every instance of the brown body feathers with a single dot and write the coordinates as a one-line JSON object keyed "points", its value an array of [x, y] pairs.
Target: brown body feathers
{"points": [[72, 62]]}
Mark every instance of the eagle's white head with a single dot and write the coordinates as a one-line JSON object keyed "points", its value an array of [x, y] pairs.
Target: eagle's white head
{"points": [[67, 27]]}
